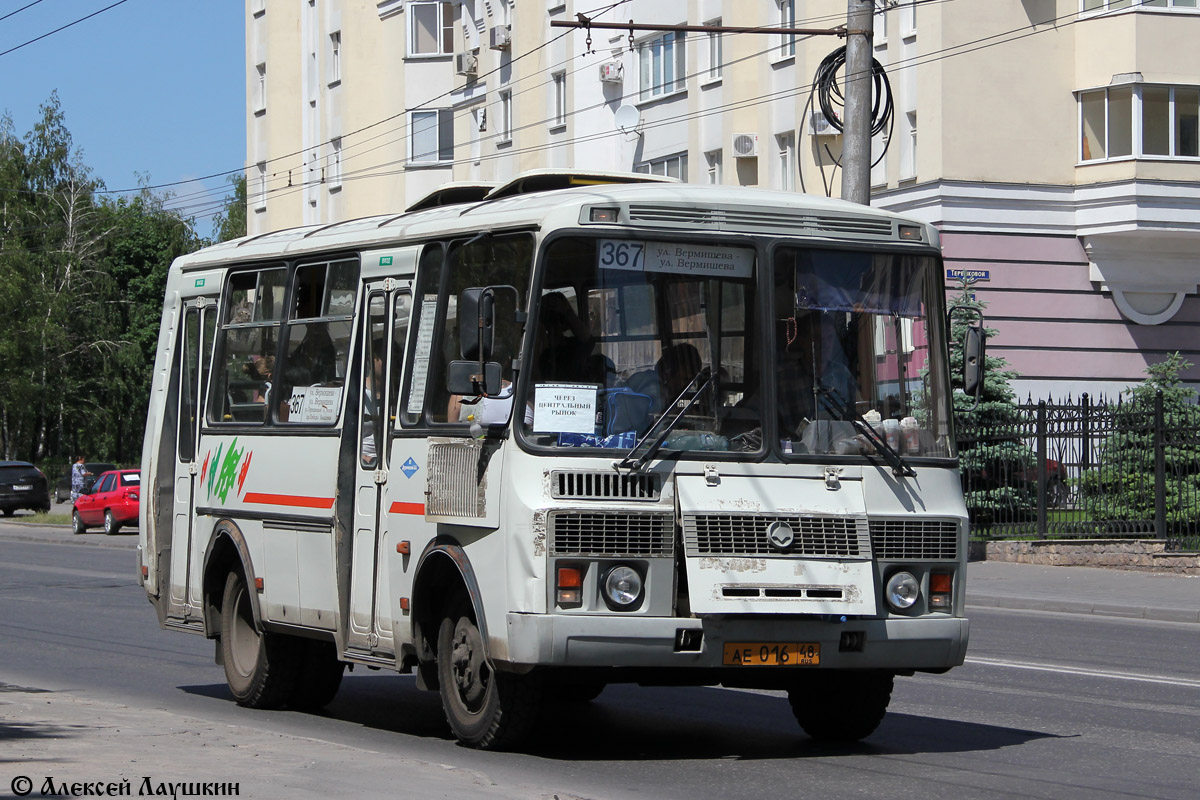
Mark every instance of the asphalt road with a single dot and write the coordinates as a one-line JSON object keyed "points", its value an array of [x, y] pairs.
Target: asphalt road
{"points": [[1048, 706]]}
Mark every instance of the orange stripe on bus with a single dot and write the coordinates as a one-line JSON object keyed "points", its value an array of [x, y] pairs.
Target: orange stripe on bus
{"points": [[290, 500], [407, 508]]}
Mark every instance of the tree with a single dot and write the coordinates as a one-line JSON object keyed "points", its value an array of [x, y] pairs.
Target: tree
{"points": [[1122, 487], [230, 223], [82, 280], [996, 463]]}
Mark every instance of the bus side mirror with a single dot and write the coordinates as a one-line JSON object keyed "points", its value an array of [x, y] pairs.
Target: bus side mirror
{"points": [[973, 354], [476, 323], [472, 379]]}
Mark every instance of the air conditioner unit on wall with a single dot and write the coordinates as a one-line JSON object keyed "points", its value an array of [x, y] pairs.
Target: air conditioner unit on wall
{"points": [[466, 64], [820, 125], [612, 72], [500, 38], [745, 145]]}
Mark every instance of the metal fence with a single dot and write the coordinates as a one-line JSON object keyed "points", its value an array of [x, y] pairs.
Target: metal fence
{"points": [[1091, 469]]}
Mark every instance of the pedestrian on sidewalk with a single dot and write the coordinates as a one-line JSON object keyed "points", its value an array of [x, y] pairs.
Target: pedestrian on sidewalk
{"points": [[78, 473]]}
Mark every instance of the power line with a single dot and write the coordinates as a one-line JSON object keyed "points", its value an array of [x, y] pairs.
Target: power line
{"points": [[57, 30], [19, 10]]}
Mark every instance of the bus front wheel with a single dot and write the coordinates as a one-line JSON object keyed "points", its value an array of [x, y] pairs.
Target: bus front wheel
{"points": [[841, 705], [486, 709], [260, 668]]}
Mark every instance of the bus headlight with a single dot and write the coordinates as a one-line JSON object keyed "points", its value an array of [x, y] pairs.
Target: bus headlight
{"points": [[622, 588], [902, 591]]}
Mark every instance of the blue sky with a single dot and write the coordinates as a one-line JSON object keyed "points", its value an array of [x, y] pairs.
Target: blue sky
{"points": [[151, 87]]}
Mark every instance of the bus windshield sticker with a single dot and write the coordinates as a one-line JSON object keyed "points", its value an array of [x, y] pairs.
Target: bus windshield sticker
{"points": [[709, 260], [315, 404], [424, 347], [564, 408]]}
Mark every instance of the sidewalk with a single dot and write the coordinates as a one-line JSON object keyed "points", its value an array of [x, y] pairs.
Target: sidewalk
{"points": [[1084, 590], [994, 584]]}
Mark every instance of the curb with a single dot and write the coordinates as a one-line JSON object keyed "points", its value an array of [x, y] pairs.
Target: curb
{"points": [[1085, 607]]}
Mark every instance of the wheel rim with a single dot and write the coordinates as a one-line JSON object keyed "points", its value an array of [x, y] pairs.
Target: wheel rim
{"points": [[108, 522], [76, 522], [244, 641], [468, 668]]}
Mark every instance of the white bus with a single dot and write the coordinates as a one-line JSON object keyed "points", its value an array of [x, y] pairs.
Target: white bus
{"points": [[581, 430]]}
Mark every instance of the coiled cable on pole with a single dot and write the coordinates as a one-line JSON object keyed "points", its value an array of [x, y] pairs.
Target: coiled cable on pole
{"points": [[827, 94]]}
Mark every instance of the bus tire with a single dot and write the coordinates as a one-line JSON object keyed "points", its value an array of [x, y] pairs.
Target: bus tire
{"points": [[319, 677], [486, 709], [260, 667], [841, 705]]}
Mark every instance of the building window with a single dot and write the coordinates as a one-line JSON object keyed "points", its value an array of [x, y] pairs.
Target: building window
{"points": [[431, 139], [908, 153], [787, 19], [908, 19], [504, 125], [663, 66], [430, 29], [879, 159], [1139, 121], [335, 58], [260, 92], [260, 186], [674, 166], [1115, 5], [560, 98], [715, 56], [334, 178], [713, 158], [786, 144], [880, 32]]}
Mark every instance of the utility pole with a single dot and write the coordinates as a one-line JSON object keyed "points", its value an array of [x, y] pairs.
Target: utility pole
{"points": [[856, 126]]}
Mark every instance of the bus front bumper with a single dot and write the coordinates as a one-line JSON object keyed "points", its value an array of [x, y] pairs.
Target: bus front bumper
{"points": [[932, 642]]}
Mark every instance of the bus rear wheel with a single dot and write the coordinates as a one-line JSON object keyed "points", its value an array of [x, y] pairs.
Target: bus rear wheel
{"points": [[486, 709], [841, 705], [260, 668]]}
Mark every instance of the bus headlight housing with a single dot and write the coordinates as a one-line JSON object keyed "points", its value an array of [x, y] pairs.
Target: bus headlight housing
{"points": [[902, 590], [622, 588]]}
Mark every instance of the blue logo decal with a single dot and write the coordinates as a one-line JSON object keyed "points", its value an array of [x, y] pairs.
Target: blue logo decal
{"points": [[409, 468]]}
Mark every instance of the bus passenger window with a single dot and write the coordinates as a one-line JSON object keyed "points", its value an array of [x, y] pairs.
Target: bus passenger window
{"points": [[318, 343], [243, 376]]}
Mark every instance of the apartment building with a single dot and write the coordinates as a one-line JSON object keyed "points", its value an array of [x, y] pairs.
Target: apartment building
{"points": [[1053, 141]]}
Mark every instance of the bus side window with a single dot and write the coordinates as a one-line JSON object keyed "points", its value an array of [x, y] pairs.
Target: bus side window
{"points": [[244, 372], [424, 314], [318, 343]]}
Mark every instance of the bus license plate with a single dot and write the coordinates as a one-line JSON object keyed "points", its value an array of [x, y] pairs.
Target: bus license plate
{"points": [[772, 654]]}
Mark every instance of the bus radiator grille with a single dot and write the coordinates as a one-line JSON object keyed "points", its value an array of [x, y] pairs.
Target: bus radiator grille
{"points": [[915, 539], [567, 485], [585, 533], [746, 535]]}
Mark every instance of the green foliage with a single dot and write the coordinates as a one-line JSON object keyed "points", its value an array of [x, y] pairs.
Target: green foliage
{"points": [[81, 293], [230, 223], [995, 470], [1123, 486]]}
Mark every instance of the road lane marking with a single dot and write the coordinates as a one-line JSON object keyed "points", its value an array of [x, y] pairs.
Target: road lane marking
{"points": [[1091, 673]]}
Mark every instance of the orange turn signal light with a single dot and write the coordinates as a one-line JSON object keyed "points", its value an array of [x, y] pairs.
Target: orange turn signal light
{"points": [[570, 577], [939, 583], [258, 584], [402, 547]]}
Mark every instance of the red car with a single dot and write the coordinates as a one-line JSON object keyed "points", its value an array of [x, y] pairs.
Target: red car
{"points": [[112, 501]]}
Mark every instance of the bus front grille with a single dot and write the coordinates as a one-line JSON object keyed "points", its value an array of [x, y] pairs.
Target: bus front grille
{"points": [[567, 485], [909, 539], [583, 533], [746, 535]]}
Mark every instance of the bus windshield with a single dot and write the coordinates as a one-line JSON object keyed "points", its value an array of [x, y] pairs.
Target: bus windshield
{"points": [[628, 334]]}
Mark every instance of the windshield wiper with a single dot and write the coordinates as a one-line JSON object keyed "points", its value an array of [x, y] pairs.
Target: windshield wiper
{"points": [[833, 402], [656, 445]]}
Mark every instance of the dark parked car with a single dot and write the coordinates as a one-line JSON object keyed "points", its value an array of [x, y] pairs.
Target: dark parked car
{"points": [[62, 489], [22, 485]]}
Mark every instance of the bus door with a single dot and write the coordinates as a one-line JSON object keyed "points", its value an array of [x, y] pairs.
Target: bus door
{"points": [[194, 351], [388, 305]]}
